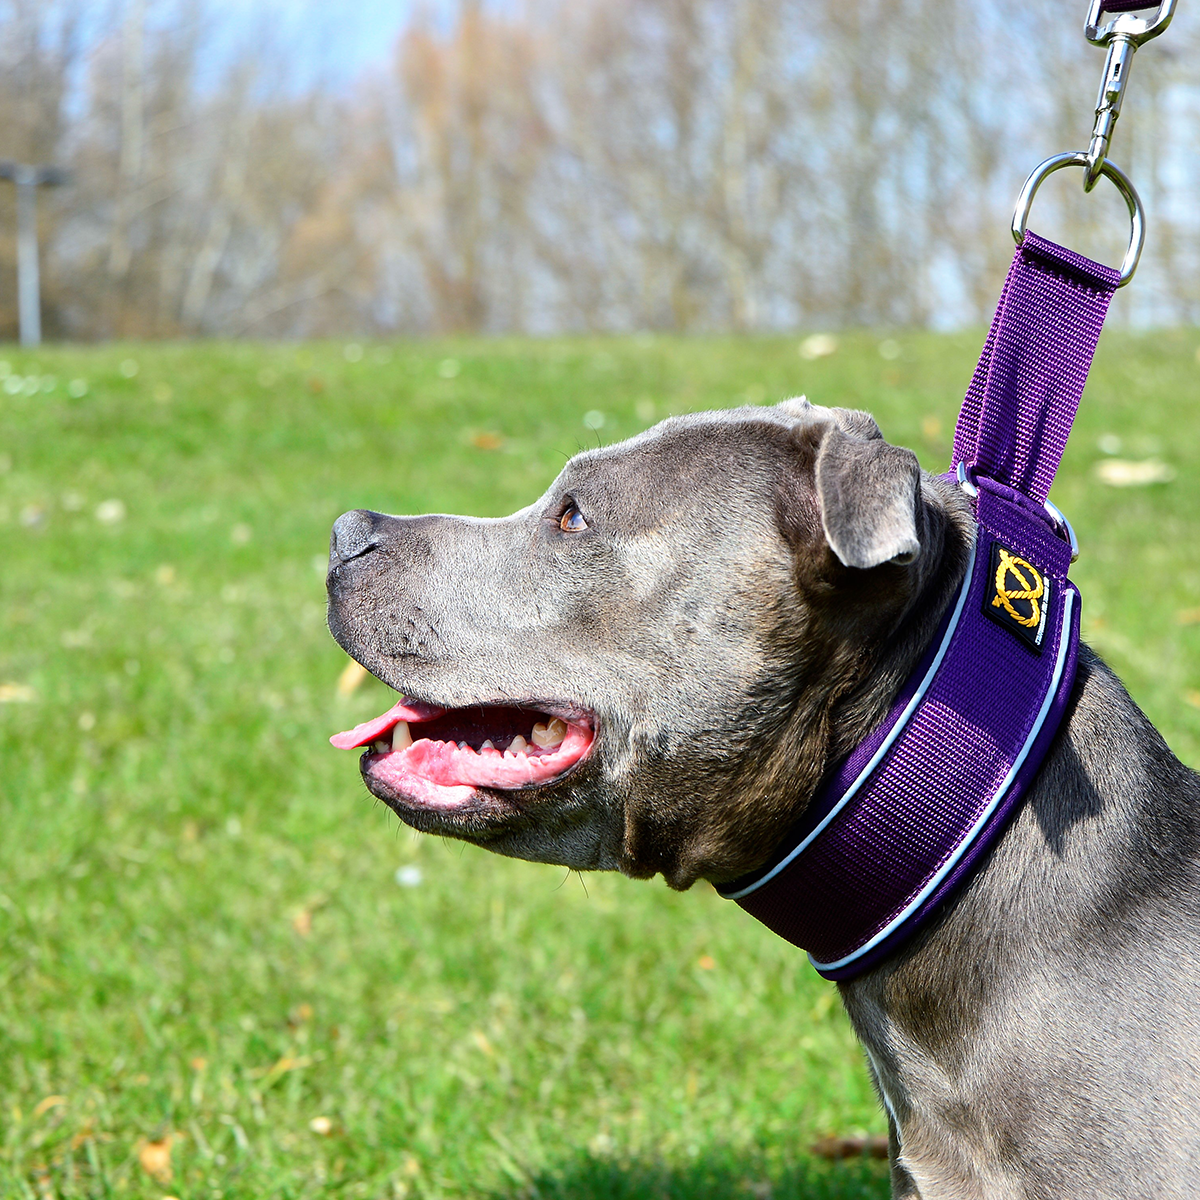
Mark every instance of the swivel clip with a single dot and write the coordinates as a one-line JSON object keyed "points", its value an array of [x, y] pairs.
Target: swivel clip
{"points": [[1123, 34]]}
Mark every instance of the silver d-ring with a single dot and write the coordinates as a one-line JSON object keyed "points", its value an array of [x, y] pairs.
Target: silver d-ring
{"points": [[966, 482], [1058, 517], [1137, 214]]}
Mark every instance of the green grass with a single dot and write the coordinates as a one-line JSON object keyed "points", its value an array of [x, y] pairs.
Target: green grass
{"points": [[201, 930]]}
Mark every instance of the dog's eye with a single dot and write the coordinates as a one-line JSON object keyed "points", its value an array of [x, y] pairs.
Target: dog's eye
{"points": [[572, 521]]}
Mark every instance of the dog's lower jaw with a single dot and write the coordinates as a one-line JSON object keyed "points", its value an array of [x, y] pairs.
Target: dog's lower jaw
{"points": [[513, 824], [579, 846]]}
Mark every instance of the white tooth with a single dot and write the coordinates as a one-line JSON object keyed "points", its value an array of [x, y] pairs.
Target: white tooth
{"points": [[518, 745], [550, 734], [401, 736], [487, 745], [463, 746], [379, 746]]}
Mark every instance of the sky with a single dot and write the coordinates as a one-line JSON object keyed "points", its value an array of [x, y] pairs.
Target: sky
{"points": [[332, 41]]}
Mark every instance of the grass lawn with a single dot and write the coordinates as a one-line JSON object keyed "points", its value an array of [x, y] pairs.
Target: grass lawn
{"points": [[225, 971]]}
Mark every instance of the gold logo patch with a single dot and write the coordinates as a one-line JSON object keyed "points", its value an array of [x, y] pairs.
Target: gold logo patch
{"points": [[1018, 596]]}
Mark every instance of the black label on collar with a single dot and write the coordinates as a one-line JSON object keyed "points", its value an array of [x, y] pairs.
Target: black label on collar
{"points": [[1017, 596]]}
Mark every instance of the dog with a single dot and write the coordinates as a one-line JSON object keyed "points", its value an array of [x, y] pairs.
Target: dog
{"points": [[652, 668]]}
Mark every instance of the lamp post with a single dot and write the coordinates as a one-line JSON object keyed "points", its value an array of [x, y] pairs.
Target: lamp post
{"points": [[28, 179]]}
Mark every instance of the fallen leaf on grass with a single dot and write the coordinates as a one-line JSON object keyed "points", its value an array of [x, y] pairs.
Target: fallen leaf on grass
{"points": [[82, 1136], [198, 1063], [602, 1144], [282, 1067], [87, 1133], [760, 1189], [1123, 472], [300, 1014], [15, 693], [49, 1103], [487, 441], [110, 512], [706, 962], [1192, 697], [1188, 616], [45, 1185], [818, 345], [875, 1146], [352, 675], [480, 1040], [155, 1158], [321, 1126], [302, 918]]}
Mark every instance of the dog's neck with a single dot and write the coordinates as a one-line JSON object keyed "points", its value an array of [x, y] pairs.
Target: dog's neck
{"points": [[940, 1016], [865, 703]]}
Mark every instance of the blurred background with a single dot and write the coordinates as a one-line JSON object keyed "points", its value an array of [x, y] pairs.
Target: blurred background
{"points": [[276, 169], [313, 257]]}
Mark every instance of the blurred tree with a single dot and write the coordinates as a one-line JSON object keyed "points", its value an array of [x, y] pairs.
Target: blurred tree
{"points": [[602, 164]]}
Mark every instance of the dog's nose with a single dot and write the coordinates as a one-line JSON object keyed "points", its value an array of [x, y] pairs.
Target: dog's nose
{"points": [[353, 535]]}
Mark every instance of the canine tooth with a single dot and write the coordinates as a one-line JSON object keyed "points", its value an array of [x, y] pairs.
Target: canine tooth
{"points": [[487, 745], [402, 736], [518, 745], [548, 735]]}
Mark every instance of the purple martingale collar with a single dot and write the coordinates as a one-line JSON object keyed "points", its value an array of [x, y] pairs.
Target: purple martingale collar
{"points": [[904, 820]]}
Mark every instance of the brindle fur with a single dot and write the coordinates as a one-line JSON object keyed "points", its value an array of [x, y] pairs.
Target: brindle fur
{"points": [[753, 588]]}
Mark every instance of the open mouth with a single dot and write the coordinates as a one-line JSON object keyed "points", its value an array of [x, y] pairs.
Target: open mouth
{"points": [[437, 757]]}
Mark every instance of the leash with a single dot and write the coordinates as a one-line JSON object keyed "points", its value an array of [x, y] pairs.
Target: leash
{"points": [[901, 824]]}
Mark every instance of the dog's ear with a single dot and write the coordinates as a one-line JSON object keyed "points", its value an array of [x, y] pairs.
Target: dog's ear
{"points": [[796, 406], [869, 493]]}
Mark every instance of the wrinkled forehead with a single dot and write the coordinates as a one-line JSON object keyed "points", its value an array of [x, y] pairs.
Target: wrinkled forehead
{"points": [[728, 459]]}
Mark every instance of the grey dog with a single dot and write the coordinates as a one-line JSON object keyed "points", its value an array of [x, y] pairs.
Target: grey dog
{"points": [[700, 621]]}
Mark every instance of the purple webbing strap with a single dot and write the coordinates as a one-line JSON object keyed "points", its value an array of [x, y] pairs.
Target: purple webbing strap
{"points": [[1124, 6], [903, 822], [1023, 398]]}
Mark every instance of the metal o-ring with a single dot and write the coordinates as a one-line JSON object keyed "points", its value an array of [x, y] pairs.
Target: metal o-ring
{"points": [[1137, 214]]}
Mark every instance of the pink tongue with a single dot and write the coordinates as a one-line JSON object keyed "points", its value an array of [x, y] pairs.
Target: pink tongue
{"points": [[368, 731]]}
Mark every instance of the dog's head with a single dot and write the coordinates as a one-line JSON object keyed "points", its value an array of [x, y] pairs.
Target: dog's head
{"points": [[650, 668]]}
